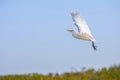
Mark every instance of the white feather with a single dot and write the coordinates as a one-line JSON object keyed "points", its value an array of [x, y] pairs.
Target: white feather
{"points": [[80, 23]]}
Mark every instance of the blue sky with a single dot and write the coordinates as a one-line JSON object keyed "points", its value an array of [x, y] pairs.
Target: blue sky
{"points": [[33, 36]]}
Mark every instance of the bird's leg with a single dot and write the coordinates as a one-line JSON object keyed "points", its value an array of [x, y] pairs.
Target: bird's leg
{"points": [[93, 45]]}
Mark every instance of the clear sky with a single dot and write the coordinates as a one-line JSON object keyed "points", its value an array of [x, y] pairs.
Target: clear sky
{"points": [[33, 36]]}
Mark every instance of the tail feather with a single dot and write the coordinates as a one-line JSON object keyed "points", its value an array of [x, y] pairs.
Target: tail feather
{"points": [[93, 45]]}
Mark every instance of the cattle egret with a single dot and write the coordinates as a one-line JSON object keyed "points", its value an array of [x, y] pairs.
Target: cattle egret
{"points": [[84, 32]]}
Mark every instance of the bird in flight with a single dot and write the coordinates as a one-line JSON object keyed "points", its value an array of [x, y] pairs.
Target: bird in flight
{"points": [[84, 32]]}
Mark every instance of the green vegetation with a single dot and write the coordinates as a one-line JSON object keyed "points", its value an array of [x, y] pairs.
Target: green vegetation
{"points": [[112, 73]]}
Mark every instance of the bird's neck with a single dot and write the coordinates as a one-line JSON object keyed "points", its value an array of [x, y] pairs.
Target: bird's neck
{"points": [[75, 34]]}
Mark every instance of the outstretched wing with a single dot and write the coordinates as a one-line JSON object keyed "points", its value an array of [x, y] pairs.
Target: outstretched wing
{"points": [[80, 23]]}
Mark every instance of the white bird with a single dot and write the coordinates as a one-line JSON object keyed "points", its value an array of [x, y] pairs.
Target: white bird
{"points": [[84, 32]]}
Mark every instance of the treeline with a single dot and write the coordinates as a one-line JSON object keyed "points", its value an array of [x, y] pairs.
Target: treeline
{"points": [[112, 73]]}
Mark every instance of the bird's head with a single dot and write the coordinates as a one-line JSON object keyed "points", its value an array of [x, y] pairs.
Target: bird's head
{"points": [[70, 30]]}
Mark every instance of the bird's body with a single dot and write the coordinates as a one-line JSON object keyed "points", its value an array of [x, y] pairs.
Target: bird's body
{"points": [[82, 35], [84, 32]]}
